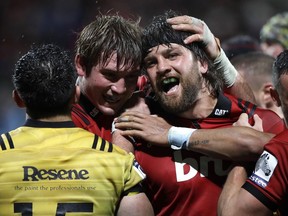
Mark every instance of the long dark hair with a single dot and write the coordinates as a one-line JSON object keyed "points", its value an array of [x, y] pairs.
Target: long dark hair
{"points": [[160, 32]]}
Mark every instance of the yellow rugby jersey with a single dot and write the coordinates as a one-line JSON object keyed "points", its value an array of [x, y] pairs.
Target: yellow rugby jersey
{"points": [[54, 168]]}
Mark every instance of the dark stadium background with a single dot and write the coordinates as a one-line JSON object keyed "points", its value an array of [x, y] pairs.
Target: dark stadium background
{"points": [[27, 22]]}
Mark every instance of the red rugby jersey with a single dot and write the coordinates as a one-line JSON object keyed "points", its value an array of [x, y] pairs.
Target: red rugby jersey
{"points": [[87, 116], [269, 180], [188, 183]]}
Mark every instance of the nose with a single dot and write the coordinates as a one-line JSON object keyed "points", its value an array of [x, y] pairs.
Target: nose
{"points": [[119, 87], [163, 65]]}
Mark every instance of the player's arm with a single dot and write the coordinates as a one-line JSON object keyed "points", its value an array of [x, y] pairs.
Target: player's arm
{"points": [[134, 201], [241, 89], [236, 201], [124, 142], [135, 205], [136, 103], [235, 143], [234, 82]]}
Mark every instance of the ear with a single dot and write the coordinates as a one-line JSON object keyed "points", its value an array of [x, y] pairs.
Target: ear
{"points": [[18, 100], [275, 96], [81, 70], [266, 89], [203, 67]]}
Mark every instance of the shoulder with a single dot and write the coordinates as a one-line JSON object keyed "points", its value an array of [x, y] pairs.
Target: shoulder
{"points": [[281, 138], [79, 115], [271, 121]]}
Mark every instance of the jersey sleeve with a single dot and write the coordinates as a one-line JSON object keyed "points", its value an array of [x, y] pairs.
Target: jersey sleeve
{"points": [[272, 123], [134, 175], [269, 180]]}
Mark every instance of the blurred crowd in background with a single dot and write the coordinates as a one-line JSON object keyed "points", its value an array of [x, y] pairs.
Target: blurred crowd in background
{"points": [[24, 23]]}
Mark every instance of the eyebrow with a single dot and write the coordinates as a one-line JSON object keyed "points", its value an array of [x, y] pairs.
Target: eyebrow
{"points": [[107, 70], [166, 51]]}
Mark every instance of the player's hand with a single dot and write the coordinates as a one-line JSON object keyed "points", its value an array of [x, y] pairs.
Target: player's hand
{"points": [[137, 103], [244, 121], [121, 141], [150, 128], [200, 33]]}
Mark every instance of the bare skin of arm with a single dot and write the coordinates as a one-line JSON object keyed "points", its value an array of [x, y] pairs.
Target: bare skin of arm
{"points": [[137, 104], [241, 89], [236, 201], [201, 33], [122, 141], [139, 204], [238, 143], [135, 205]]}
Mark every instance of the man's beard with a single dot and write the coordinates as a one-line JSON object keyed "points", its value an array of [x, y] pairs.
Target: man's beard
{"points": [[184, 102]]}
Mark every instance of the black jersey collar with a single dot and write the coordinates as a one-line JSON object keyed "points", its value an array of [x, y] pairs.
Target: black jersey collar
{"points": [[89, 108], [44, 124], [222, 108]]}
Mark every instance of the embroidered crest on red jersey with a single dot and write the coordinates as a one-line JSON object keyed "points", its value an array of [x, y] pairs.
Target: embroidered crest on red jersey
{"points": [[264, 169]]}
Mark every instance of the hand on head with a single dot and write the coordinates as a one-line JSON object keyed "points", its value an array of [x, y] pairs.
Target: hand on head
{"points": [[200, 33]]}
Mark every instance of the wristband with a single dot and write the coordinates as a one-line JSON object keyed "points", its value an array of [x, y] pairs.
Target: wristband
{"points": [[113, 127], [228, 71], [130, 138], [178, 137]]}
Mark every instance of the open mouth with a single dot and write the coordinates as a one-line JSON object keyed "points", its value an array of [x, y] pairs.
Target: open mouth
{"points": [[168, 83]]}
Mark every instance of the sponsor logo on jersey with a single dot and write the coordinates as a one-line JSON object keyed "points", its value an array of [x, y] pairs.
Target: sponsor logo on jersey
{"points": [[220, 112], [205, 166], [94, 112], [139, 169], [32, 173], [264, 169]]}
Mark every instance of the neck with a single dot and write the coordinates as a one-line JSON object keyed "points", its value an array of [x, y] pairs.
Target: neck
{"points": [[60, 118], [202, 108], [277, 110]]}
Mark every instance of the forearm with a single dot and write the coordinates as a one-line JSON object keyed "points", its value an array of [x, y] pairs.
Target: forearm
{"points": [[228, 203], [123, 142], [225, 69], [235, 200], [234, 82], [135, 205], [241, 89], [234, 143]]}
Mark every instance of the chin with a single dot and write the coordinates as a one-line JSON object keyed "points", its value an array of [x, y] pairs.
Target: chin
{"points": [[108, 111]]}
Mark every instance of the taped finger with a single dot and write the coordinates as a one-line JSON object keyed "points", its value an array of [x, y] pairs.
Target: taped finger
{"points": [[123, 119], [196, 21]]}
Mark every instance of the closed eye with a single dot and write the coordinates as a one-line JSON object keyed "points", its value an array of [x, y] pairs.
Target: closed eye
{"points": [[172, 55], [110, 75], [149, 63]]}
